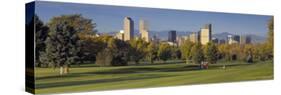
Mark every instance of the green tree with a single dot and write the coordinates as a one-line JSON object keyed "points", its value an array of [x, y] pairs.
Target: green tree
{"points": [[270, 39], [137, 50], [164, 51], [91, 46], [197, 53], [41, 32], [175, 53], [105, 57], [63, 43], [186, 50], [152, 52], [115, 53], [211, 53]]}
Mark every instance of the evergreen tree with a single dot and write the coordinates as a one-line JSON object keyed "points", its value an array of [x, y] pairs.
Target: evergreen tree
{"points": [[41, 32], [63, 43]]}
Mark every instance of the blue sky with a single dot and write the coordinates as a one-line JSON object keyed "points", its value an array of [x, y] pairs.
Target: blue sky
{"points": [[110, 18]]}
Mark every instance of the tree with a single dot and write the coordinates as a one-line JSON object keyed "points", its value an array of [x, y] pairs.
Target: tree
{"points": [[120, 51], [41, 32], [175, 53], [270, 39], [115, 53], [152, 52], [104, 58], [164, 51], [186, 50], [91, 46], [137, 50], [63, 43], [197, 53], [211, 53], [265, 51]]}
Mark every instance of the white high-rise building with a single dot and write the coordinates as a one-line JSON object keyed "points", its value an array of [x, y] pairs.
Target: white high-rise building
{"points": [[206, 34], [143, 29], [128, 29]]}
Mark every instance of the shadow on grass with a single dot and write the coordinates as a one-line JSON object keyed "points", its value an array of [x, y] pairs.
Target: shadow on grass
{"points": [[58, 76], [133, 70], [76, 83]]}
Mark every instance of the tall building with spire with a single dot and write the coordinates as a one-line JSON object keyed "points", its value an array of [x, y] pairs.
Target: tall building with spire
{"points": [[128, 29], [143, 29], [206, 34]]}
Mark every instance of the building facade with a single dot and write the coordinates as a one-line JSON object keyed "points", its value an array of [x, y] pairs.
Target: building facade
{"points": [[194, 37], [128, 29], [206, 34], [172, 36], [143, 29]]}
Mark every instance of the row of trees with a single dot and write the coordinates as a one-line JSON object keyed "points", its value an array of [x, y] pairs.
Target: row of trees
{"points": [[70, 39]]}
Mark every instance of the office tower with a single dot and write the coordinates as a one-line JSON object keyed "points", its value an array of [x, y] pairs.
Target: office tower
{"points": [[206, 34], [194, 37], [143, 28], [128, 28], [172, 36]]}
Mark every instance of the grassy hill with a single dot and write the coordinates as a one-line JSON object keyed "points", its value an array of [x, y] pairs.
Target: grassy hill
{"points": [[91, 78]]}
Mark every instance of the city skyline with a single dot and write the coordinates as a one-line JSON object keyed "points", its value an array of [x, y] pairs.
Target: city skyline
{"points": [[110, 18]]}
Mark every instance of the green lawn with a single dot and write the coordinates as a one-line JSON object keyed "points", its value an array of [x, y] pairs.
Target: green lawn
{"points": [[91, 78]]}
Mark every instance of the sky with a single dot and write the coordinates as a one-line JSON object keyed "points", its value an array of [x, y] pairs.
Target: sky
{"points": [[110, 18]]}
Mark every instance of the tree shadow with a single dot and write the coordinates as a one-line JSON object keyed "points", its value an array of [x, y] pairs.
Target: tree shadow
{"points": [[75, 83], [144, 70], [130, 70], [134, 70], [58, 76]]}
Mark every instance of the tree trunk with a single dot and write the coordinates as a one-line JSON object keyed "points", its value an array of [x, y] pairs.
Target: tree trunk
{"points": [[66, 69], [61, 70]]}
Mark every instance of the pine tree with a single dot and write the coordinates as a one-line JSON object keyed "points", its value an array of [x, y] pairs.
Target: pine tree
{"points": [[63, 43], [41, 32]]}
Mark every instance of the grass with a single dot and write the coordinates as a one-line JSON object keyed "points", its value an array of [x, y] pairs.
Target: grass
{"points": [[91, 78]]}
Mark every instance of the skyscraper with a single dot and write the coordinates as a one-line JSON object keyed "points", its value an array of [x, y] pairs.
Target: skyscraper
{"points": [[143, 28], [128, 28], [172, 37], [206, 34], [194, 37]]}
